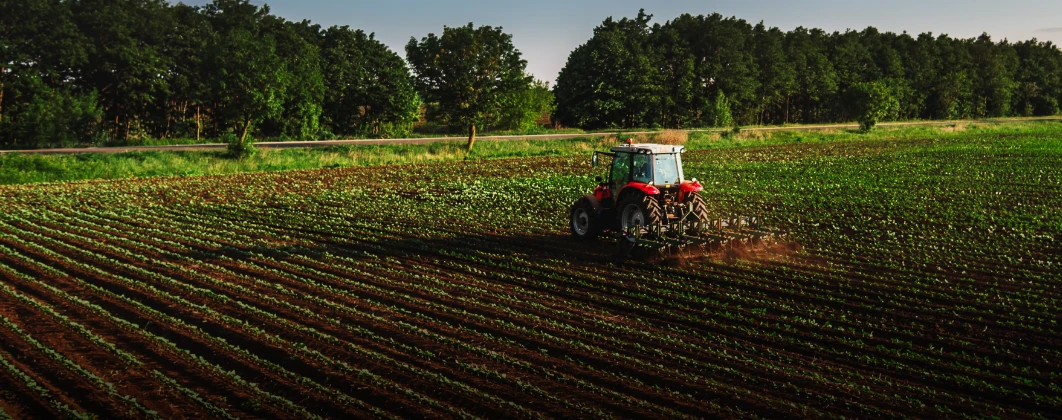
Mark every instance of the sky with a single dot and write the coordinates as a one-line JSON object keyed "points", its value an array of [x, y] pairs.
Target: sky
{"points": [[546, 31]]}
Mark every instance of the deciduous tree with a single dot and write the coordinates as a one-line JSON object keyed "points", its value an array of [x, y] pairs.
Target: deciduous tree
{"points": [[370, 88], [468, 72], [246, 74], [870, 102], [612, 80]]}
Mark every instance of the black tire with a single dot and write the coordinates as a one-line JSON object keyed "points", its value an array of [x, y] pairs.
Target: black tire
{"points": [[699, 214], [639, 209], [582, 219]]}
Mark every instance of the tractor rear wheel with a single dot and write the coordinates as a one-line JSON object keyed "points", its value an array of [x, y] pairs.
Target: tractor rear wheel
{"points": [[639, 210], [698, 217], [583, 223]]}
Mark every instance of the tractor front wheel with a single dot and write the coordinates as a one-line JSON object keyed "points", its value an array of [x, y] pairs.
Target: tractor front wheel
{"points": [[638, 211], [582, 220]]}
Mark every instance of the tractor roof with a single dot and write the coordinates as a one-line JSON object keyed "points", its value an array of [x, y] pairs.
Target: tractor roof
{"points": [[651, 148]]}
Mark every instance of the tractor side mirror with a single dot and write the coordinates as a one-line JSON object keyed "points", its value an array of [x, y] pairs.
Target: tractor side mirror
{"points": [[599, 179], [593, 161]]}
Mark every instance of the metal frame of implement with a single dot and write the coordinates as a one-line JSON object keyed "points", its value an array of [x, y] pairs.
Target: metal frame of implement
{"points": [[717, 235]]}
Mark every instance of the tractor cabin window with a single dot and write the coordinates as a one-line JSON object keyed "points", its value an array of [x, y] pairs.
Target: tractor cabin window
{"points": [[621, 170], [643, 168], [667, 171]]}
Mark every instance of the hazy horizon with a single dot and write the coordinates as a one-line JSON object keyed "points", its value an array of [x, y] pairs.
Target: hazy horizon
{"points": [[546, 31]]}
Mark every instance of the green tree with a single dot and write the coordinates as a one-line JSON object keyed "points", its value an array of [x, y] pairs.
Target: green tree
{"points": [[51, 117], [994, 86], [370, 89], [125, 61], [41, 50], [188, 90], [922, 66], [163, 70], [815, 82], [678, 77], [954, 89], [723, 61], [777, 77], [247, 76], [852, 60], [612, 80], [521, 110], [718, 113], [468, 72], [1039, 77], [870, 102], [304, 88]]}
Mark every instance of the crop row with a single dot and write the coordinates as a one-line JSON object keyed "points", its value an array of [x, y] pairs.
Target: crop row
{"points": [[927, 286]]}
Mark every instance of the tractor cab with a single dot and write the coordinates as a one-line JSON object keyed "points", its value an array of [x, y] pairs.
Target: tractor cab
{"points": [[652, 169]]}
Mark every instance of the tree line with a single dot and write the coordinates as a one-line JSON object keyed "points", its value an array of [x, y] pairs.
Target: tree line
{"points": [[710, 71], [99, 71], [109, 71]]}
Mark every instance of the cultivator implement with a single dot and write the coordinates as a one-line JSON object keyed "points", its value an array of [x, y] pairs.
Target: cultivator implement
{"points": [[713, 236]]}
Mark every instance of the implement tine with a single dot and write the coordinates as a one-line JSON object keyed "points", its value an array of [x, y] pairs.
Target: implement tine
{"points": [[710, 236]]}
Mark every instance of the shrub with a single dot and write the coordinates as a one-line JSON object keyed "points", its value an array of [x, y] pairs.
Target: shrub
{"points": [[870, 103], [717, 113], [325, 135], [238, 149]]}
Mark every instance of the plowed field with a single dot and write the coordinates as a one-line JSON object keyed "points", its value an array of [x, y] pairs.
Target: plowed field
{"points": [[927, 284]]}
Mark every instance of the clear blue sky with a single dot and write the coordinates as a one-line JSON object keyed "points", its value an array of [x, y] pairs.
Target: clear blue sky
{"points": [[546, 31]]}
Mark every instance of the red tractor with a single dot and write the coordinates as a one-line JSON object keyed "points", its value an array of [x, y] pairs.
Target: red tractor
{"points": [[645, 195], [648, 202]]}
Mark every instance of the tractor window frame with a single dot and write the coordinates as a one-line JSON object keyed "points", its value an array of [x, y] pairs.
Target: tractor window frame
{"points": [[612, 157], [675, 164], [647, 165], [612, 181]]}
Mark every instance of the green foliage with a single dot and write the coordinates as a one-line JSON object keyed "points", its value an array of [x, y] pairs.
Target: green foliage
{"points": [[162, 71], [870, 103], [632, 74], [468, 72], [188, 88], [816, 81], [247, 77], [370, 89], [611, 80], [994, 85], [51, 117], [717, 114], [126, 59], [238, 147], [777, 77], [522, 109], [304, 87], [680, 92], [40, 47]]}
